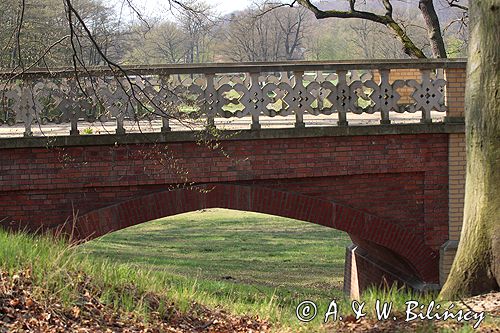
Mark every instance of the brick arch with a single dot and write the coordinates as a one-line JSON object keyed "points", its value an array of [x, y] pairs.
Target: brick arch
{"points": [[262, 200]]}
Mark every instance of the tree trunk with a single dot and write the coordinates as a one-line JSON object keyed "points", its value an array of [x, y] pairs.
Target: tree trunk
{"points": [[433, 28], [476, 268]]}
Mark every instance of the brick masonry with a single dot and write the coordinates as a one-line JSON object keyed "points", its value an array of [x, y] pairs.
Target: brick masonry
{"points": [[455, 92], [457, 164], [401, 74], [455, 100], [391, 190]]}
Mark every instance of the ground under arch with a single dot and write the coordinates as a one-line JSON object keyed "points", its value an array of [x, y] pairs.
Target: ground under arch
{"points": [[235, 247], [379, 241]]}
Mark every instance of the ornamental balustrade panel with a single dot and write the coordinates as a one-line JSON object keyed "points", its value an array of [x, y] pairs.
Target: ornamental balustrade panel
{"points": [[204, 94]]}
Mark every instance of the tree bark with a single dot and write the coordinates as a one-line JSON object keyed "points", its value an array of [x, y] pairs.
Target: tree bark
{"points": [[434, 29], [476, 268]]}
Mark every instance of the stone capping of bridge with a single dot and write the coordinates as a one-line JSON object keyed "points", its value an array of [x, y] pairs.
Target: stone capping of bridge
{"points": [[241, 67], [263, 134], [253, 90]]}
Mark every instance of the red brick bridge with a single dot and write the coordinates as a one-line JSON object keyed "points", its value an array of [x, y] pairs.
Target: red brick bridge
{"points": [[396, 189]]}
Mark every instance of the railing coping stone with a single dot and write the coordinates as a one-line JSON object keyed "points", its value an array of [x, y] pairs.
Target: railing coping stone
{"points": [[229, 135], [245, 67]]}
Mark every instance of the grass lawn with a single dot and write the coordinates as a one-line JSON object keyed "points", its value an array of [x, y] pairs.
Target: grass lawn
{"points": [[243, 260]]}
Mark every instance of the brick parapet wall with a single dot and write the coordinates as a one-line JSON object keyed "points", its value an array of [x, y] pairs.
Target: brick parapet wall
{"points": [[378, 174], [400, 179]]}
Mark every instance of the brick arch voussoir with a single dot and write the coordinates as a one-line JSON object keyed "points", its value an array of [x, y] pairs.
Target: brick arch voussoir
{"points": [[262, 200]]}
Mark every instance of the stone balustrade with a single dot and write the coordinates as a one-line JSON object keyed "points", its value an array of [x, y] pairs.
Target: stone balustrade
{"points": [[200, 93]]}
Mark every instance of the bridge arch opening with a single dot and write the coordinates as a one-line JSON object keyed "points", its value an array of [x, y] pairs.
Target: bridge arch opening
{"points": [[382, 251], [249, 249]]}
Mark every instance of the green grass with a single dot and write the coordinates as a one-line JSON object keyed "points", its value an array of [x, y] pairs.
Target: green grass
{"points": [[274, 263], [244, 248], [246, 262]]}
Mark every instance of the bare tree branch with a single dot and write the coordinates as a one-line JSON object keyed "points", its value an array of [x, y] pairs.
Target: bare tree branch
{"points": [[275, 6], [388, 7], [40, 58], [138, 14], [455, 3], [18, 34], [387, 20]]}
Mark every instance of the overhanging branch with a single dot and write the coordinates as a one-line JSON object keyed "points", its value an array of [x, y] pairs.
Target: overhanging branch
{"points": [[409, 47]]}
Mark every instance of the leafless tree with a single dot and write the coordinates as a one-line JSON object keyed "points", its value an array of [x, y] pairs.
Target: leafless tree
{"points": [[294, 24], [251, 38], [259, 34], [170, 42], [197, 26]]}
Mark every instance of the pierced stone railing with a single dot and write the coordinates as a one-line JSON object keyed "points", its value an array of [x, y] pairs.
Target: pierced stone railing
{"points": [[206, 92]]}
